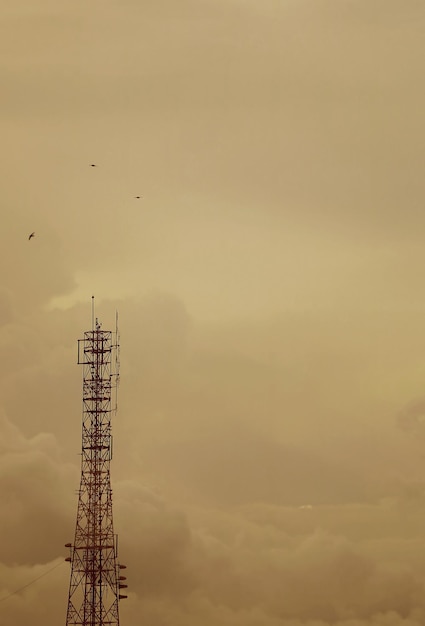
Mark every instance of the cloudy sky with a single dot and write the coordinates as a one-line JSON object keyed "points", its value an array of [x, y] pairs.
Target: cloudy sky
{"points": [[269, 449]]}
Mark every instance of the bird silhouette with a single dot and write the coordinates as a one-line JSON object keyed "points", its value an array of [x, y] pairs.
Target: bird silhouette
{"points": [[31, 236], [93, 165], [137, 197]]}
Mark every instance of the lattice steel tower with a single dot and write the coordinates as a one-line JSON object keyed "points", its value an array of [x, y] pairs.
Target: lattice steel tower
{"points": [[96, 581]]}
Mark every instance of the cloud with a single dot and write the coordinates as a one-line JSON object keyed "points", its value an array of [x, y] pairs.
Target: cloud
{"points": [[245, 570], [412, 417], [36, 489], [269, 288], [206, 495], [33, 592]]}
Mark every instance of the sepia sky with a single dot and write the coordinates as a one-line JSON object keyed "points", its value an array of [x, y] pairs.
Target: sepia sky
{"points": [[269, 448]]}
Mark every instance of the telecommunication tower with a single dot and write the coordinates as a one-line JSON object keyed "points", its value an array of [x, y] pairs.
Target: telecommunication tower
{"points": [[96, 580]]}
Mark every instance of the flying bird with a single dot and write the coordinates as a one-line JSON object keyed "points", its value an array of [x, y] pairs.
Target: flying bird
{"points": [[137, 197], [93, 165], [31, 236]]}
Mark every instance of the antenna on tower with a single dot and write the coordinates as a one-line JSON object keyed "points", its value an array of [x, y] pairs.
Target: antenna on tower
{"points": [[117, 359], [92, 312]]}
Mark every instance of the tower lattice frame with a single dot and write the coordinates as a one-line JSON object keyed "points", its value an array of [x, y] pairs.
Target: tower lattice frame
{"points": [[96, 580]]}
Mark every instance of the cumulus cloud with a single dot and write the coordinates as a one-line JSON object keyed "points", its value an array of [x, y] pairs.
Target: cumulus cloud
{"points": [[412, 417], [234, 569], [37, 495]]}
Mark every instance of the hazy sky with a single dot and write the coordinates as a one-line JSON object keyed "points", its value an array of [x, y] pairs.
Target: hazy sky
{"points": [[269, 449]]}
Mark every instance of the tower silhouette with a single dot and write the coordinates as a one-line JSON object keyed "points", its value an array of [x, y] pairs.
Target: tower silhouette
{"points": [[96, 580]]}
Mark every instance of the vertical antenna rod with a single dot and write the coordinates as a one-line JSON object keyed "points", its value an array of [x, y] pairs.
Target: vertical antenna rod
{"points": [[94, 590]]}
